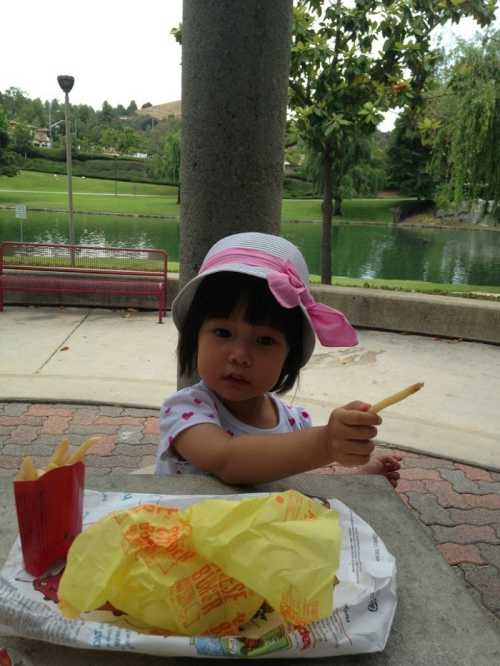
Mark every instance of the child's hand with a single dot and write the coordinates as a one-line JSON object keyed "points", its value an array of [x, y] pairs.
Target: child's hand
{"points": [[349, 432]]}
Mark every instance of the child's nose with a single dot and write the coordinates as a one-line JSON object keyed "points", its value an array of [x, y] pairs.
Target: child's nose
{"points": [[240, 353]]}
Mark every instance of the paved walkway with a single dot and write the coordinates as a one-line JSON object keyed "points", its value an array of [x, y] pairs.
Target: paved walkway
{"points": [[458, 504], [126, 358]]}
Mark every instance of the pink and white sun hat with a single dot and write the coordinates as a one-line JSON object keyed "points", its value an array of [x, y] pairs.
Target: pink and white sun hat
{"points": [[282, 265]]}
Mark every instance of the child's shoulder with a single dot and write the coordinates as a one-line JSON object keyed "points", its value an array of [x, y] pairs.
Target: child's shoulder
{"points": [[197, 394]]}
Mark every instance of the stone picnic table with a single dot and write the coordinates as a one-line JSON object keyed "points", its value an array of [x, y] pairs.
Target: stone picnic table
{"points": [[437, 622]]}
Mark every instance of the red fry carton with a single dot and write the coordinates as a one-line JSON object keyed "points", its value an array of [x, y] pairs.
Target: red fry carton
{"points": [[49, 514]]}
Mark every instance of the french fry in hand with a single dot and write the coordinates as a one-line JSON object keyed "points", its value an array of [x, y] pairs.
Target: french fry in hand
{"points": [[59, 455], [81, 451], [396, 397], [27, 471]]}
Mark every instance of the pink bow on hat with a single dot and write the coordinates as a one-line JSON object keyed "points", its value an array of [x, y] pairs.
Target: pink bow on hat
{"points": [[330, 325]]}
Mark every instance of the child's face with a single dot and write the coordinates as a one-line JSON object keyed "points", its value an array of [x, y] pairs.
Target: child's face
{"points": [[238, 360]]}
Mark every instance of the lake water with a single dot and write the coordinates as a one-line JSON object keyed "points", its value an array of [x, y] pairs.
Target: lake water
{"points": [[361, 251]]}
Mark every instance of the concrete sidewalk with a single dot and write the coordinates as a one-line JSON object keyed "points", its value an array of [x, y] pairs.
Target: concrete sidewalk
{"points": [[124, 357]]}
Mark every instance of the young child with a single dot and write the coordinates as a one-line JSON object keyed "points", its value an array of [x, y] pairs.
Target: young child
{"points": [[247, 325]]}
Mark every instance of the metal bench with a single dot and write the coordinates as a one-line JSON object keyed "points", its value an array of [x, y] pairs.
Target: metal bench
{"points": [[84, 269]]}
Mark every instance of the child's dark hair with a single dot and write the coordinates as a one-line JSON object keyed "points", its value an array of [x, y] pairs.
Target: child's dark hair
{"points": [[218, 295]]}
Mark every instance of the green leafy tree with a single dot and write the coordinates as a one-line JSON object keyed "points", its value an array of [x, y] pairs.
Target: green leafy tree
{"points": [[131, 108], [171, 161], [14, 103], [463, 124], [7, 166], [122, 139], [106, 114], [368, 174], [165, 163], [409, 159], [349, 63], [360, 172], [22, 139], [35, 114]]}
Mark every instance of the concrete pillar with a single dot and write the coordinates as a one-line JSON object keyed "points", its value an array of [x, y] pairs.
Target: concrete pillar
{"points": [[235, 65]]}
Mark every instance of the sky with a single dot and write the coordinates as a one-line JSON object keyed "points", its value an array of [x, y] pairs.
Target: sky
{"points": [[117, 50]]}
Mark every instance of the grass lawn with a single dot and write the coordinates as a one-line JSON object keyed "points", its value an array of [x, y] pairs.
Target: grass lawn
{"points": [[417, 286], [414, 286], [41, 190], [354, 210], [45, 182]]}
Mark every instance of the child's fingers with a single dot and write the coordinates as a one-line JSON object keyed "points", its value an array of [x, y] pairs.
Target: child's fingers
{"points": [[361, 433], [357, 449], [353, 459], [391, 462], [358, 405], [355, 417]]}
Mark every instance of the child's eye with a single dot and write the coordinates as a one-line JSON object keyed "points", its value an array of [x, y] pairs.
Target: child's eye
{"points": [[266, 340], [222, 332]]}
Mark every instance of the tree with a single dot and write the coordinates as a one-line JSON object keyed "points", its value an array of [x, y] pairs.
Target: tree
{"points": [[121, 139], [106, 114], [22, 139], [171, 162], [7, 167], [409, 159], [360, 171], [131, 108], [463, 124], [342, 78], [14, 103]]}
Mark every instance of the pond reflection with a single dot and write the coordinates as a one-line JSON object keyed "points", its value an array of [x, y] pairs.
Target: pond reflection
{"points": [[359, 250]]}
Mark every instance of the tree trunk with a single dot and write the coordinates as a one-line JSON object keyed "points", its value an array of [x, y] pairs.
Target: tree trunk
{"points": [[235, 67], [327, 211], [338, 203]]}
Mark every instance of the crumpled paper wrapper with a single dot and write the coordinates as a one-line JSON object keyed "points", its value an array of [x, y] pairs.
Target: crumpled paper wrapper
{"points": [[207, 570]]}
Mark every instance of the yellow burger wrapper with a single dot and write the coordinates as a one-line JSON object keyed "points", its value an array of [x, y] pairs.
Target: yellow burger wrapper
{"points": [[207, 569]]}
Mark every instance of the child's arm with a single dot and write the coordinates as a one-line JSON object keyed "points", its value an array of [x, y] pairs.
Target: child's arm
{"points": [[247, 459]]}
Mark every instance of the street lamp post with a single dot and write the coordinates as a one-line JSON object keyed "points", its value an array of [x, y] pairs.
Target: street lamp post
{"points": [[66, 84]]}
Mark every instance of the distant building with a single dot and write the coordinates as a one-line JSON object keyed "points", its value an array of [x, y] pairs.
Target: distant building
{"points": [[39, 135], [111, 152]]}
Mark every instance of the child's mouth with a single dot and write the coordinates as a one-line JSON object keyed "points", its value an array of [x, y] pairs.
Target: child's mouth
{"points": [[236, 379]]}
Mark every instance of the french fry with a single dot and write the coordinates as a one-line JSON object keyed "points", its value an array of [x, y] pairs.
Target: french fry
{"points": [[50, 466], [59, 455], [27, 471], [81, 451], [396, 397]]}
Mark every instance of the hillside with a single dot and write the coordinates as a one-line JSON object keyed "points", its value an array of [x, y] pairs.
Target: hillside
{"points": [[162, 111]]}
